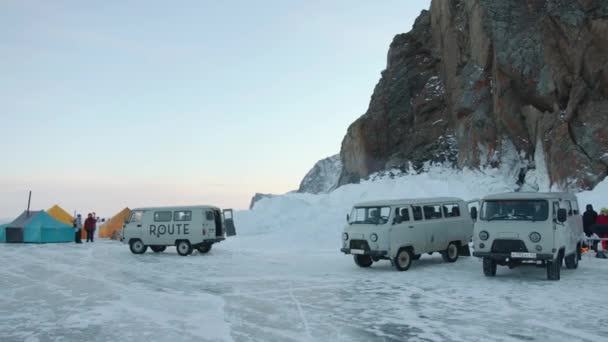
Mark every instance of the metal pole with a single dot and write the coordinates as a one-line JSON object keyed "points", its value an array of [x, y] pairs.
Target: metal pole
{"points": [[29, 200]]}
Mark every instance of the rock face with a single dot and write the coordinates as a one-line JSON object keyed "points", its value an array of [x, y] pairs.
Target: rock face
{"points": [[487, 83], [323, 177]]}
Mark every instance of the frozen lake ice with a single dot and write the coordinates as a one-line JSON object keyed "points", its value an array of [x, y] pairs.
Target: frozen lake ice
{"points": [[237, 292]]}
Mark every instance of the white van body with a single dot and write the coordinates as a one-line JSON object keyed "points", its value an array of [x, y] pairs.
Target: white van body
{"points": [[402, 230], [185, 227], [520, 228]]}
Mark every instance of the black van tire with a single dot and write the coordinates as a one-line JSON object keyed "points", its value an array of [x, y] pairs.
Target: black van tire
{"points": [[553, 268], [158, 249], [403, 259], [137, 246], [183, 247], [363, 260], [204, 248], [489, 267], [572, 261], [451, 253]]}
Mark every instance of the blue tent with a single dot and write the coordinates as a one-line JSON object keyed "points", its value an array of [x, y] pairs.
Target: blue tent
{"points": [[2, 226], [36, 227]]}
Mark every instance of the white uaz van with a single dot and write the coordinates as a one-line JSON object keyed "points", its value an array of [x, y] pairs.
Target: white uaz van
{"points": [[528, 228], [183, 227], [402, 230]]}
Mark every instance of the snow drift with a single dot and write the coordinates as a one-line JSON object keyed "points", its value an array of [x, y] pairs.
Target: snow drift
{"points": [[300, 221]]}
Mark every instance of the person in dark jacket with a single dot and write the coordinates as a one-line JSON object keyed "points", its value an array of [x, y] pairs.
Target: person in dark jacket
{"points": [[89, 226], [589, 219], [77, 228]]}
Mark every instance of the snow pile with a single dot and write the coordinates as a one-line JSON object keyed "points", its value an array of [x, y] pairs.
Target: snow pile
{"points": [[315, 222], [598, 197]]}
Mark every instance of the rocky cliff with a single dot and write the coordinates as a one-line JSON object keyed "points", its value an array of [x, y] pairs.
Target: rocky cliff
{"points": [[323, 177], [483, 83]]}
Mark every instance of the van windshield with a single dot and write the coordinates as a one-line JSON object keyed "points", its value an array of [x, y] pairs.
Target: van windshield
{"points": [[521, 210], [370, 215]]}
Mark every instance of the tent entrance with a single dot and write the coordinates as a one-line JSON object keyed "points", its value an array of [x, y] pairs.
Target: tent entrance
{"points": [[14, 235]]}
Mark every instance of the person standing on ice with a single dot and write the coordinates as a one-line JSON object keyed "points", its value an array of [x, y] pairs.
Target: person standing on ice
{"points": [[603, 220], [77, 229], [589, 218], [89, 226]]}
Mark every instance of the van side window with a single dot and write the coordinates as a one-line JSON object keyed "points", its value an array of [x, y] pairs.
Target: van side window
{"points": [[162, 216], [432, 212], [555, 209], [575, 207], [209, 216], [401, 215], [451, 210], [568, 207], [417, 212], [136, 216], [182, 215]]}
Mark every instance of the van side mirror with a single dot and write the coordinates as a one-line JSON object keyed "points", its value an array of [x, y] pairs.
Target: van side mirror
{"points": [[474, 213], [347, 217], [562, 215]]}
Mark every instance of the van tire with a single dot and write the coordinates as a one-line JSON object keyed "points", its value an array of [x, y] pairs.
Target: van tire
{"points": [[363, 260], [489, 267], [137, 246], [553, 268], [183, 247], [451, 253], [204, 248], [572, 261], [158, 249], [417, 256], [403, 259]]}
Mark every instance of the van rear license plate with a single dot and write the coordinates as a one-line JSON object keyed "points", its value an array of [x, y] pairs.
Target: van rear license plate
{"points": [[523, 255], [357, 251]]}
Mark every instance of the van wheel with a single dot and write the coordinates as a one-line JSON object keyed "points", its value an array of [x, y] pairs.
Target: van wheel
{"points": [[204, 248], [158, 249], [403, 260], [183, 247], [572, 261], [416, 256], [137, 247], [553, 269], [451, 253], [489, 267], [363, 260]]}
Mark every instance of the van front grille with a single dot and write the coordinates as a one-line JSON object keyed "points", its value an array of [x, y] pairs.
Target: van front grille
{"points": [[359, 244], [508, 246]]}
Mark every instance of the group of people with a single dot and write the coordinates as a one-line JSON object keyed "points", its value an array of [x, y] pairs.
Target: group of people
{"points": [[593, 224], [90, 225]]}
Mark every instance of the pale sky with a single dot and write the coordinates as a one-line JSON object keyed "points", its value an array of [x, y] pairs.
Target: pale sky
{"points": [[107, 104]]}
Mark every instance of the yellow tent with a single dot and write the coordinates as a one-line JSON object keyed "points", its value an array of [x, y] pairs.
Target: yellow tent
{"points": [[59, 214], [113, 225]]}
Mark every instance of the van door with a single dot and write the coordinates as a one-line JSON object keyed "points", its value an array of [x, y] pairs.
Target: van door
{"points": [[435, 227], [229, 222], [133, 226], [407, 230]]}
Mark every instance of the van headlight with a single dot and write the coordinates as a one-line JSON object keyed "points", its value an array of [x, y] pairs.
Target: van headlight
{"points": [[373, 237], [483, 235], [535, 237], [344, 236]]}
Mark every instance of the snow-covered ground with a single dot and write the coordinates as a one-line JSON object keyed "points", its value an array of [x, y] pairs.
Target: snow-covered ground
{"points": [[283, 279], [102, 292]]}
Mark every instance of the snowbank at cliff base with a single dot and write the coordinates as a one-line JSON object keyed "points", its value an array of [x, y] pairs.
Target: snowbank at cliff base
{"points": [[297, 221], [307, 221]]}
